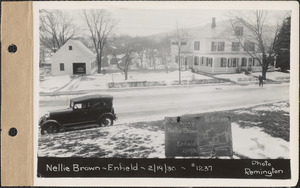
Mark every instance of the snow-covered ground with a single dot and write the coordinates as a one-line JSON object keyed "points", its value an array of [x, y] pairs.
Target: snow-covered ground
{"points": [[143, 140], [100, 81], [276, 76], [239, 77], [252, 78], [53, 83]]}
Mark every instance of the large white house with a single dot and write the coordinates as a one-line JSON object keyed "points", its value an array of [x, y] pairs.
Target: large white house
{"points": [[212, 49], [73, 58]]}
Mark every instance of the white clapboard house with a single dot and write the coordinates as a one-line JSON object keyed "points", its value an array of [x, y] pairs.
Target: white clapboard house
{"points": [[73, 58], [213, 48]]}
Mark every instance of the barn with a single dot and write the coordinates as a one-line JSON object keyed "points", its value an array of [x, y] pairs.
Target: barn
{"points": [[73, 58]]}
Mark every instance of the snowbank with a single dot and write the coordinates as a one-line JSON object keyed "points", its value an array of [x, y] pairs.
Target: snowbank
{"points": [[53, 83], [255, 144], [100, 81], [237, 77], [276, 76]]}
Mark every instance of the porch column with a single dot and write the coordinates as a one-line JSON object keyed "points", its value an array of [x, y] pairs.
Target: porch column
{"points": [[212, 65], [227, 61]]}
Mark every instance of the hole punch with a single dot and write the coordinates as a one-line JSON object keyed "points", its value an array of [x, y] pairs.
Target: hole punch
{"points": [[178, 119], [13, 132], [12, 48]]}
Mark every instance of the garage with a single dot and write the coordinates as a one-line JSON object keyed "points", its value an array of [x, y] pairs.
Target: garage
{"points": [[79, 68]]}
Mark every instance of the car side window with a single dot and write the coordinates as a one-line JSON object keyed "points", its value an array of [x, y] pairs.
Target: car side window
{"points": [[84, 105], [78, 106]]}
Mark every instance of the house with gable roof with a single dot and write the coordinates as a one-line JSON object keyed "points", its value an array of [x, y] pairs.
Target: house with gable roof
{"points": [[212, 48], [73, 58]]}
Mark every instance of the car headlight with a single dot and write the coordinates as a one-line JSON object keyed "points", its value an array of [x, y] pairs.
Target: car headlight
{"points": [[47, 115]]}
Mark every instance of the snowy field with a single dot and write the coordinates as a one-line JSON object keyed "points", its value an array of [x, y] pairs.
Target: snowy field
{"points": [[241, 77], [252, 78], [252, 131], [53, 83], [100, 81], [276, 76]]}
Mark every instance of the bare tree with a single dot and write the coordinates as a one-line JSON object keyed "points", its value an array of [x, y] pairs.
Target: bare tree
{"points": [[151, 53], [164, 51], [258, 39], [56, 28], [124, 51], [179, 41], [141, 43], [100, 25]]}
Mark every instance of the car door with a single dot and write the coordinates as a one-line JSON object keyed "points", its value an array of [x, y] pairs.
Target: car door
{"points": [[81, 113]]}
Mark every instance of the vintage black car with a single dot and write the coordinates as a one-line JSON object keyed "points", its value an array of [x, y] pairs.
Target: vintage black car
{"points": [[83, 112]]}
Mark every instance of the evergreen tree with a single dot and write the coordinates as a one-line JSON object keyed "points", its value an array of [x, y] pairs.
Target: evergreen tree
{"points": [[282, 46]]}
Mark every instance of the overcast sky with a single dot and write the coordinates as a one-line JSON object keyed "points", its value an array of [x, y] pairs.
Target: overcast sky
{"points": [[137, 22]]}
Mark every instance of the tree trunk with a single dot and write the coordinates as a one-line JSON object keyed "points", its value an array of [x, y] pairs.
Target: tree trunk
{"points": [[264, 67], [264, 72], [99, 63], [141, 59], [126, 75], [179, 65]]}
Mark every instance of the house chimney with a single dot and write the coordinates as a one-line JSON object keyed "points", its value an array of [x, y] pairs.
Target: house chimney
{"points": [[213, 23]]}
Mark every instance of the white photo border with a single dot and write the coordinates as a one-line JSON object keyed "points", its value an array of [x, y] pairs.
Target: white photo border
{"points": [[185, 182]]}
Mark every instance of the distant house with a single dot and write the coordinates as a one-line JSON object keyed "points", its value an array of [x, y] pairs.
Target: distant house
{"points": [[73, 58], [210, 49]]}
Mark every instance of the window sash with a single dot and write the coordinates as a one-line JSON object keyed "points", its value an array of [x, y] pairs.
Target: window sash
{"points": [[197, 45], [213, 46], [235, 46], [196, 60], [62, 67], [223, 62], [221, 46]]}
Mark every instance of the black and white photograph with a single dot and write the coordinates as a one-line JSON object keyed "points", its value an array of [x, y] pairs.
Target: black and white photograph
{"points": [[192, 89]]}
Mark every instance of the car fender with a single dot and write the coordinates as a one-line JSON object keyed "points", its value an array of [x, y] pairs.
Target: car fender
{"points": [[51, 121], [109, 114]]}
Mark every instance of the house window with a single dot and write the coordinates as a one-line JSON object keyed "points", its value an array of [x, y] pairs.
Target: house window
{"points": [[62, 67], [217, 46], [235, 61], [197, 45], [183, 43], [249, 46], [209, 61], [235, 46], [238, 31], [174, 43], [196, 60], [223, 62], [250, 61], [70, 48], [244, 62], [213, 46], [221, 46]]}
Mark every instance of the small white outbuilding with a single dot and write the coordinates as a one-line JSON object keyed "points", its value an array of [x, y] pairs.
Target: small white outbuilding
{"points": [[73, 58]]}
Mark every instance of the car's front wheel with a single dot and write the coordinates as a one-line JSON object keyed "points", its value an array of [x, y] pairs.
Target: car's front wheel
{"points": [[106, 121], [49, 129]]}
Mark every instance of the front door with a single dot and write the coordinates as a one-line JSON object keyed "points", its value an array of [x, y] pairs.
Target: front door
{"points": [[79, 68]]}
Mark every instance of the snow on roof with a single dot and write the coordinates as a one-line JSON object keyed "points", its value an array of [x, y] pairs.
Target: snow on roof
{"points": [[207, 31], [79, 52]]}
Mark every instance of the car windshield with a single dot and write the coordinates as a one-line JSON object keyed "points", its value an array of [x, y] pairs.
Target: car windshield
{"points": [[71, 104]]}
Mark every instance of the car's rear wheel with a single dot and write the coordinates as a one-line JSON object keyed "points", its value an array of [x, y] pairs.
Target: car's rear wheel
{"points": [[50, 128], [106, 121]]}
